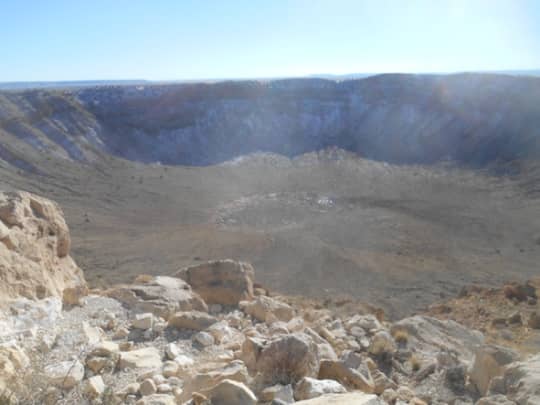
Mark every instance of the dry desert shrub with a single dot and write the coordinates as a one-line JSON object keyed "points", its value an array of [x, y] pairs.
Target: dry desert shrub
{"points": [[401, 336], [415, 362]]}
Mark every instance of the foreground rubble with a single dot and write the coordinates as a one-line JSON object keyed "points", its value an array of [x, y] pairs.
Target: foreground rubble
{"points": [[150, 348], [162, 340]]}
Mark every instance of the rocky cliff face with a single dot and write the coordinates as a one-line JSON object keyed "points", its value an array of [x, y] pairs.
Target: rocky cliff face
{"points": [[471, 118], [34, 248]]}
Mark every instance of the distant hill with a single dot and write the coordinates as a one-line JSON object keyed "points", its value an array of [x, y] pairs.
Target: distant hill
{"points": [[68, 84], [135, 82], [352, 76]]}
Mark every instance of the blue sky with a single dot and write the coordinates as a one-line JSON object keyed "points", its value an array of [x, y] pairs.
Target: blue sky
{"points": [[183, 39]]}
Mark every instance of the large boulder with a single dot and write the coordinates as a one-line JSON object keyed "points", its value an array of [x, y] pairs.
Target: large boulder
{"points": [[266, 309], [225, 282], [278, 392], [430, 336], [489, 362], [235, 371], [359, 378], [288, 359], [522, 381], [34, 248], [308, 388], [229, 392], [160, 295]]}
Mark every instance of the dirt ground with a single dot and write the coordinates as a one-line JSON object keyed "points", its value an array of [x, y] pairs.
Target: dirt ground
{"points": [[400, 237]]}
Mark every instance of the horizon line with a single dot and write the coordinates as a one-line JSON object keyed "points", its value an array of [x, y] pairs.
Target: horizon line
{"points": [[277, 77]]}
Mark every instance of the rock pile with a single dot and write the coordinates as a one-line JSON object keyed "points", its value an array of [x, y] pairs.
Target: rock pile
{"points": [[150, 346], [208, 337]]}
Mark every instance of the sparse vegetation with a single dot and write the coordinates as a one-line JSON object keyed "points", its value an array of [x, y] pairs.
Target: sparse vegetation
{"points": [[415, 362], [401, 336]]}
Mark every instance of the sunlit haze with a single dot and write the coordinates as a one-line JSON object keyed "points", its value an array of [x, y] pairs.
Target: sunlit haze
{"points": [[164, 40]]}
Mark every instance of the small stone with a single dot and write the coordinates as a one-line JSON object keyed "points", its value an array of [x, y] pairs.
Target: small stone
{"points": [[143, 321], [47, 342], [183, 361], [277, 392], [105, 349], [222, 332], [52, 395], [204, 339], [178, 393], [170, 368], [72, 296], [175, 381], [194, 320], [534, 321], [515, 318], [96, 364], [159, 326], [215, 308], [199, 399], [92, 334], [158, 379], [172, 351], [65, 374], [109, 324], [130, 389], [499, 323], [147, 357], [126, 346], [405, 393], [389, 395], [164, 388], [121, 333], [94, 387], [326, 352], [148, 387], [357, 332]]}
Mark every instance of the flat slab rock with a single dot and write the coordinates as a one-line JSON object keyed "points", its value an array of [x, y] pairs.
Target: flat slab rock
{"points": [[157, 399], [352, 398], [147, 357], [194, 320], [160, 295], [429, 335]]}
